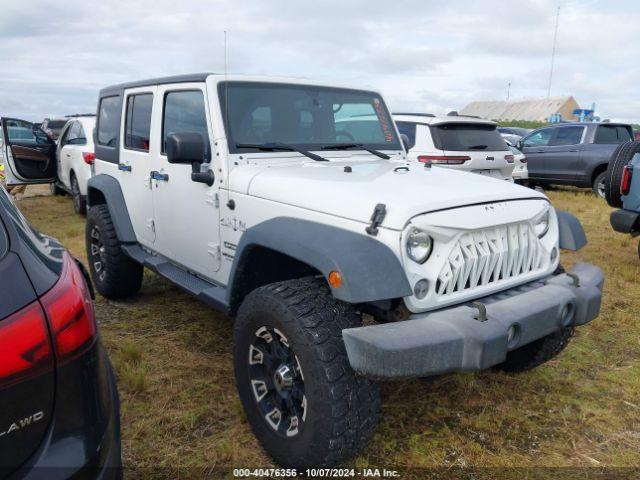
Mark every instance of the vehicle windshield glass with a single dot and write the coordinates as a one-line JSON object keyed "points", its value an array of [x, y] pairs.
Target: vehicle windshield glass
{"points": [[305, 116], [461, 137]]}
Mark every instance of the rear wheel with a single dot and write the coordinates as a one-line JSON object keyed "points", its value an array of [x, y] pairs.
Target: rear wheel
{"points": [[599, 184], [114, 274], [79, 201], [304, 403], [619, 159]]}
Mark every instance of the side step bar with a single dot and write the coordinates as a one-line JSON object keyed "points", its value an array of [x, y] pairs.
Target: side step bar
{"points": [[208, 292]]}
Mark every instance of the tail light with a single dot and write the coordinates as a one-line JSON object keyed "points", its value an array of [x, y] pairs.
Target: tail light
{"points": [[443, 160], [509, 158], [88, 157], [25, 346], [625, 184], [70, 313], [25, 349]]}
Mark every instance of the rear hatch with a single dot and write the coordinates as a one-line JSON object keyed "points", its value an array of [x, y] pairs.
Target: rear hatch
{"points": [[27, 383], [474, 146]]}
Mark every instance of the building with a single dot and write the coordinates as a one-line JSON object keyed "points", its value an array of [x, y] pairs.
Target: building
{"points": [[541, 110]]}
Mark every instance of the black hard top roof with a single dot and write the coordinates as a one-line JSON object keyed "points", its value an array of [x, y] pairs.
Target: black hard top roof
{"points": [[191, 77]]}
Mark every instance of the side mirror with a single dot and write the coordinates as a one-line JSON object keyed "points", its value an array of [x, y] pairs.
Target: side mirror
{"points": [[405, 141], [189, 147], [519, 145]]}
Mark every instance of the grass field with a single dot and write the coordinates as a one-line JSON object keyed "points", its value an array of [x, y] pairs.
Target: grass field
{"points": [[172, 356]]}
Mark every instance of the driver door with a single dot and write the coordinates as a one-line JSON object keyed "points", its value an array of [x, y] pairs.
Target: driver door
{"points": [[28, 153]]}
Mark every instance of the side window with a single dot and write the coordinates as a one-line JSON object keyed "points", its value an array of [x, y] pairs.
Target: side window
{"points": [[109, 121], [567, 136], [75, 135], [540, 138], [184, 112], [611, 134], [138, 121], [25, 133], [409, 129]]}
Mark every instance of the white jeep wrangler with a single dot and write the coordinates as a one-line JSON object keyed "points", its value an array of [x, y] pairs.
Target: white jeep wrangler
{"points": [[260, 198]]}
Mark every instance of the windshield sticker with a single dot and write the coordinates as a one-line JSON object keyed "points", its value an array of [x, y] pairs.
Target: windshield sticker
{"points": [[384, 122]]}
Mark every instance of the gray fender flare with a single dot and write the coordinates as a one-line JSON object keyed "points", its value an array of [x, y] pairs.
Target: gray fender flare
{"points": [[370, 270], [110, 189], [571, 233]]}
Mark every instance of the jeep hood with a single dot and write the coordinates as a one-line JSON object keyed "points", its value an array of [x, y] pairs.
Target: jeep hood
{"points": [[407, 189]]}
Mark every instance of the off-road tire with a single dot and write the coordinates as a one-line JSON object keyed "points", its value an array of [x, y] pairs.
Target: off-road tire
{"points": [[538, 352], [79, 200], [598, 189], [117, 276], [342, 407], [619, 159]]}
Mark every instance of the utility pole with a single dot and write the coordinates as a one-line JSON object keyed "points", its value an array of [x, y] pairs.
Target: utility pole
{"points": [[553, 52], [508, 90]]}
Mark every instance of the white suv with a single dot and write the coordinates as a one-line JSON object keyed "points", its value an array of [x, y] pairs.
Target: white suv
{"points": [[75, 155], [456, 141], [271, 201]]}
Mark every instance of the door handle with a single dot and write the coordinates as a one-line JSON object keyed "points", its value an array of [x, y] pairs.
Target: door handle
{"points": [[124, 167], [164, 177], [68, 156]]}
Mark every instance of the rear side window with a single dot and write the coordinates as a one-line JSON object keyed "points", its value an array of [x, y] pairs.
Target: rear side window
{"points": [[464, 137], [184, 113], [408, 129], [138, 121], [609, 134], [75, 135], [567, 136], [109, 121]]}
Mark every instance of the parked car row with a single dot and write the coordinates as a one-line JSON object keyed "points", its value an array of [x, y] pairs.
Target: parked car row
{"points": [[296, 208]]}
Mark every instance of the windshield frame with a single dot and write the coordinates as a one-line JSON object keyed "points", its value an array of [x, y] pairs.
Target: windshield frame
{"points": [[393, 145]]}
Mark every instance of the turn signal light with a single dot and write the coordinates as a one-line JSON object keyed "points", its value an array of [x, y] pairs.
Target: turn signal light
{"points": [[335, 279], [443, 160]]}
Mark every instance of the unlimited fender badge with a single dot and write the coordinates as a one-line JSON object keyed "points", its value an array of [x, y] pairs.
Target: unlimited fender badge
{"points": [[22, 424]]}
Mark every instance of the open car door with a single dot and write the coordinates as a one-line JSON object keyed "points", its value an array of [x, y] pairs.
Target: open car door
{"points": [[29, 154]]}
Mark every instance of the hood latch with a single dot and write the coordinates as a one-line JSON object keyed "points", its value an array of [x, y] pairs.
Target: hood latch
{"points": [[379, 212]]}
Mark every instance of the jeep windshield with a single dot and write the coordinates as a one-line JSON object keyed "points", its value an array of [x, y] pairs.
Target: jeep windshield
{"points": [[304, 117]]}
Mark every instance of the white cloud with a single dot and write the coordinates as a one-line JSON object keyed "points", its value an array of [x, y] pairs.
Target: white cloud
{"points": [[423, 55]]}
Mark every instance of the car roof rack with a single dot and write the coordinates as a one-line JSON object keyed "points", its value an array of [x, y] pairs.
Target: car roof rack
{"points": [[74, 115], [415, 114]]}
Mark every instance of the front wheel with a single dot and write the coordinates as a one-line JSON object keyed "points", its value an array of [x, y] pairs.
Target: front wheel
{"points": [[304, 403], [537, 352]]}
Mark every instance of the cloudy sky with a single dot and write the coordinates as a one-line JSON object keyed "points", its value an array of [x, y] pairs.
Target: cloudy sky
{"points": [[423, 55]]}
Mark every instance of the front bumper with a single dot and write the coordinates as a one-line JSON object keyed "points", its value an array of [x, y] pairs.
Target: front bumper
{"points": [[456, 340], [625, 221]]}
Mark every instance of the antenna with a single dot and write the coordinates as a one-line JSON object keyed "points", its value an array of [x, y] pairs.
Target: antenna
{"points": [[230, 202], [553, 52]]}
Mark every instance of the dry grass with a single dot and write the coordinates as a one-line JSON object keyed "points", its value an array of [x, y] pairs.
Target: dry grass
{"points": [[172, 355]]}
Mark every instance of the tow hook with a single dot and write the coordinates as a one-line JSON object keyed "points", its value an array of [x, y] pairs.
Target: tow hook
{"points": [[482, 311]]}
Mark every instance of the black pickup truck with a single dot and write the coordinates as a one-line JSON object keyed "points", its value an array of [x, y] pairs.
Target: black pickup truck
{"points": [[573, 153]]}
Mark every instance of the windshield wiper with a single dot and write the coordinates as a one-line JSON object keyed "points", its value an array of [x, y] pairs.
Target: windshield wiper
{"points": [[477, 147], [273, 146], [346, 146]]}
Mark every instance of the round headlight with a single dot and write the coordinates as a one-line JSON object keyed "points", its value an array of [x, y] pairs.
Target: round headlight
{"points": [[541, 226], [419, 245]]}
